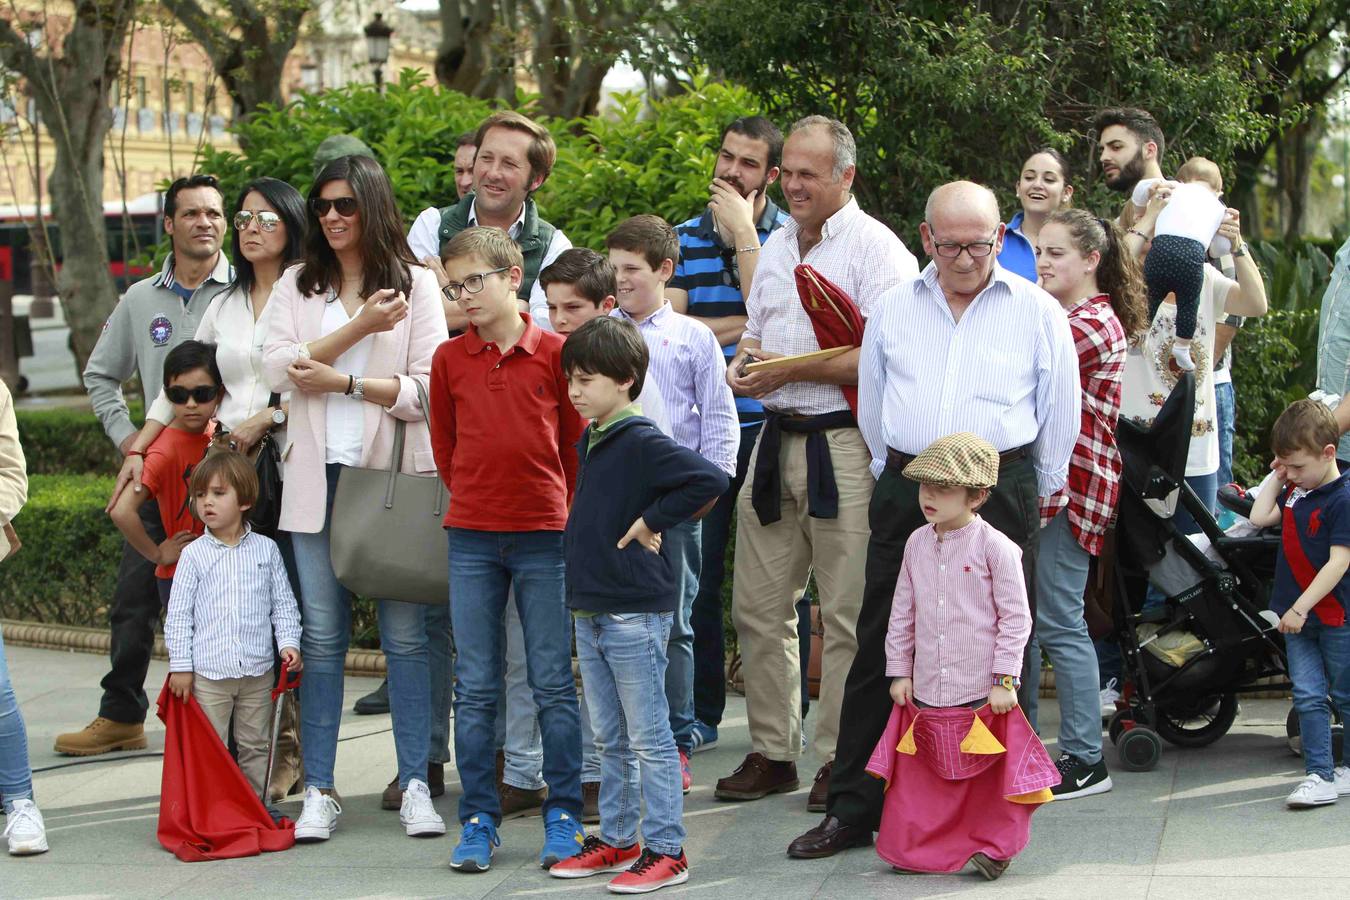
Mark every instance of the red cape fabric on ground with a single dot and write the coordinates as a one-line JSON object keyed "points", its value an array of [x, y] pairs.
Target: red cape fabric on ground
{"points": [[207, 810], [959, 781], [834, 316]]}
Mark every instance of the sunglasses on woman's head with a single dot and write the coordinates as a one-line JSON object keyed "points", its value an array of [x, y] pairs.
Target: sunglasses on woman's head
{"points": [[267, 221], [346, 206], [202, 394]]}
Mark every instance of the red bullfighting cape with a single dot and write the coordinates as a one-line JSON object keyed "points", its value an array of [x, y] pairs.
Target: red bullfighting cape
{"points": [[834, 316], [207, 810], [959, 781]]}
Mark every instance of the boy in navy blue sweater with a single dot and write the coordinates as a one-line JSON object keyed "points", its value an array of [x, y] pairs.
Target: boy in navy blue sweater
{"points": [[633, 484]]}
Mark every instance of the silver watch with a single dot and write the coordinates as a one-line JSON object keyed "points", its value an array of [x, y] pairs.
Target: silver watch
{"points": [[278, 417], [359, 389]]}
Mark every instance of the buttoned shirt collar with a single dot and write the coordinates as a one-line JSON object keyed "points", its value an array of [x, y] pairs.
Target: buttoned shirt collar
{"points": [[223, 273], [248, 529], [1000, 275], [657, 318], [833, 225], [516, 226], [529, 339]]}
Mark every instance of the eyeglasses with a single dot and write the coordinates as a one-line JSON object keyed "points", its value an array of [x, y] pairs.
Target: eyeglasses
{"points": [[951, 249], [202, 394], [731, 269], [267, 221], [471, 285], [345, 206]]}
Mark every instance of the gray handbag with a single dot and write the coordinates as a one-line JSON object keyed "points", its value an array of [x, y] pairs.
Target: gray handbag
{"points": [[386, 539]]}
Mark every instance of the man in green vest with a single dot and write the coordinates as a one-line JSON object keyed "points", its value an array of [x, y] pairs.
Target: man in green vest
{"points": [[515, 156]]}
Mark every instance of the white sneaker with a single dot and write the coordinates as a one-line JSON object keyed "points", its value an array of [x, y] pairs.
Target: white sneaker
{"points": [[318, 820], [1108, 696], [25, 830], [1312, 791], [1341, 778], [418, 816]]}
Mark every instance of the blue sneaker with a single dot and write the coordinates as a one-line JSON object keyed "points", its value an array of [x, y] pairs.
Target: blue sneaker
{"points": [[476, 840], [563, 837], [704, 735]]}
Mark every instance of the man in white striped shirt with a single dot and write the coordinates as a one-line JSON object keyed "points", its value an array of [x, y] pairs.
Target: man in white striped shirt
{"points": [[966, 346], [804, 507]]}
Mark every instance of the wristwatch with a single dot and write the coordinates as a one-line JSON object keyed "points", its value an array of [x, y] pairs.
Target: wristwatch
{"points": [[278, 417], [1011, 682], [359, 389], [302, 352]]}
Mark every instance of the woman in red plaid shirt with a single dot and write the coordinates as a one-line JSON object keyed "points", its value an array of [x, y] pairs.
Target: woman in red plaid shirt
{"points": [[1083, 263]]}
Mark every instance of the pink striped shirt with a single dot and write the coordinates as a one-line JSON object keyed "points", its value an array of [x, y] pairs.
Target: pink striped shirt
{"points": [[974, 620]]}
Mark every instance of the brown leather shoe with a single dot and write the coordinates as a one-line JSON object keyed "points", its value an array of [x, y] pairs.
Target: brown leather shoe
{"points": [[590, 803], [828, 838], [989, 867], [758, 776], [392, 798], [517, 802], [102, 736], [820, 790]]}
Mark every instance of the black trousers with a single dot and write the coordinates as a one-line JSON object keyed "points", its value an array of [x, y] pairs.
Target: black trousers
{"points": [[135, 612], [856, 797]]}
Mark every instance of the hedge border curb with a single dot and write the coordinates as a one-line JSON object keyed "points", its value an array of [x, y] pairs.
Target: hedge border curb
{"points": [[77, 639]]}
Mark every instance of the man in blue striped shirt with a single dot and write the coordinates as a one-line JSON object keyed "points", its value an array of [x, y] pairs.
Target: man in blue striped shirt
{"points": [[719, 248]]}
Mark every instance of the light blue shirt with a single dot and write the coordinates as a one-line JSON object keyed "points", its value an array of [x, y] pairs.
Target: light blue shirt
{"points": [[1007, 371], [1333, 336]]}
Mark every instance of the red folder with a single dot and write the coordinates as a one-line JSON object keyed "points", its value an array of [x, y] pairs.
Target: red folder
{"points": [[835, 318]]}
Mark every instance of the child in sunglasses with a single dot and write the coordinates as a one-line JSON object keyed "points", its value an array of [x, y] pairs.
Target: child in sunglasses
{"points": [[193, 386]]}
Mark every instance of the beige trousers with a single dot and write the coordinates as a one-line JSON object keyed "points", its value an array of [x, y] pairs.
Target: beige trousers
{"points": [[772, 564], [250, 700]]}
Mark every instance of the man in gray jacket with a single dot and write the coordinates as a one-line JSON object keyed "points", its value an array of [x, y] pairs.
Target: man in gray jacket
{"points": [[154, 316]]}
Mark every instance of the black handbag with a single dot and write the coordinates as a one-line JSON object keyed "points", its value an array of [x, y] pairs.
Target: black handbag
{"points": [[266, 456]]}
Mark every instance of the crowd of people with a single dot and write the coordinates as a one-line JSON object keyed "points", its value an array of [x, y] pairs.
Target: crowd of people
{"points": [[601, 419]]}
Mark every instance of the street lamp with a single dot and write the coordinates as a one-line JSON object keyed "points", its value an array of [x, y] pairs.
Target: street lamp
{"points": [[378, 33]]}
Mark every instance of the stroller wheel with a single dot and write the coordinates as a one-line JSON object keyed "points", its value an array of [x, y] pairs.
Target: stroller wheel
{"points": [[1117, 725], [1199, 724], [1139, 748]]}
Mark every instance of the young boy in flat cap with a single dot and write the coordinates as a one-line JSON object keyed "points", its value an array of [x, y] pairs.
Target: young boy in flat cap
{"points": [[966, 767]]}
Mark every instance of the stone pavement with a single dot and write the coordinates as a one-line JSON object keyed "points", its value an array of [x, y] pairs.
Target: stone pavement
{"points": [[1207, 823]]}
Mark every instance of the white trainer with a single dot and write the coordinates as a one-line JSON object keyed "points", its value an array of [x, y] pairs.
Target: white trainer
{"points": [[318, 819], [25, 830], [1341, 778], [1108, 696], [1312, 791], [418, 816]]}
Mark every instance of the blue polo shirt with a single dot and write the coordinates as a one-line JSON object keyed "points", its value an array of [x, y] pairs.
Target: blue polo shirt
{"points": [[708, 273], [1018, 255], [1322, 521]]}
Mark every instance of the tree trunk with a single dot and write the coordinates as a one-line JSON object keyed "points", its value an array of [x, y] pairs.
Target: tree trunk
{"points": [[1294, 154]]}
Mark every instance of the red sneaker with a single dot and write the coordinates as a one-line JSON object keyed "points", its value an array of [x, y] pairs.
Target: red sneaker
{"points": [[651, 872], [595, 857], [686, 774]]}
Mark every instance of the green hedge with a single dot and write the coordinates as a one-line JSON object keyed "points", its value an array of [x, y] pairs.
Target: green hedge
{"points": [[67, 441]]}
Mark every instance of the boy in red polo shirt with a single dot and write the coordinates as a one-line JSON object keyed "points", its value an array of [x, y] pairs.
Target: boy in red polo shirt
{"points": [[504, 433]]}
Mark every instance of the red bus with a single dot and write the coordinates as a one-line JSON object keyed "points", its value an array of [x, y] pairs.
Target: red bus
{"points": [[131, 234]]}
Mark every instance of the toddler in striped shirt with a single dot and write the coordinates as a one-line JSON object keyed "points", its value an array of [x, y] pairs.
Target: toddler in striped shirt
{"points": [[230, 596]]}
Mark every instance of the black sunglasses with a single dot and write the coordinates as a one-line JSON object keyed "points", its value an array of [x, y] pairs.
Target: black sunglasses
{"points": [[346, 206], [202, 394], [731, 268]]}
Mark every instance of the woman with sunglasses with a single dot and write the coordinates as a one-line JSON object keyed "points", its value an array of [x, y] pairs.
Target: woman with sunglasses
{"points": [[269, 232], [352, 336]]}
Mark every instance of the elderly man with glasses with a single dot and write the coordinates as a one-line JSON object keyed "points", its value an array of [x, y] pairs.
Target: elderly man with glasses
{"points": [[966, 346]]}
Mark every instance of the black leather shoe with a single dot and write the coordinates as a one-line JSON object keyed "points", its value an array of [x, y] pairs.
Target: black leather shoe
{"points": [[828, 838], [376, 703]]}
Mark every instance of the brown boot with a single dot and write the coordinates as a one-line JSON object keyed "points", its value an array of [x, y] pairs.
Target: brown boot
{"points": [[392, 798], [820, 791], [102, 736], [517, 802], [590, 803], [758, 776]]}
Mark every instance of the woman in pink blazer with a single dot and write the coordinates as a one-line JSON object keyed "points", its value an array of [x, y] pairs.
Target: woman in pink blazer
{"points": [[352, 333]]}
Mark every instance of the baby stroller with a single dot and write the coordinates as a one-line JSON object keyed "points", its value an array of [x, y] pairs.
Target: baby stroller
{"points": [[1188, 659]]}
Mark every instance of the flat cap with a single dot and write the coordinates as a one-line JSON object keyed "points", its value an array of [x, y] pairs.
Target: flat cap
{"points": [[963, 459]]}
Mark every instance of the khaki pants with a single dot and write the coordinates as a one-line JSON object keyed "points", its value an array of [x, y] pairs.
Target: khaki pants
{"points": [[250, 700], [771, 570]]}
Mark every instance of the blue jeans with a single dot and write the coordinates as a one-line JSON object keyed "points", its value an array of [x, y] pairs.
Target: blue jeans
{"points": [[623, 664], [483, 566], [1319, 665], [517, 727], [441, 672], [1061, 576], [326, 611], [16, 776], [686, 554], [1225, 402]]}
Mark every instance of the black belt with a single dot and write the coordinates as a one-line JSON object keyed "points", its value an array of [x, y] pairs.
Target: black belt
{"points": [[822, 493], [897, 460]]}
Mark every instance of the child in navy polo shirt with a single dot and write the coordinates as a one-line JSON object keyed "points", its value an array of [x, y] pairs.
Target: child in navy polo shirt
{"points": [[1310, 587]]}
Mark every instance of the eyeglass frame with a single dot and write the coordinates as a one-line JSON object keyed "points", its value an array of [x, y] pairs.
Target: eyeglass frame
{"points": [[731, 268], [268, 225], [335, 203], [938, 246], [451, 289], [202, 393]]}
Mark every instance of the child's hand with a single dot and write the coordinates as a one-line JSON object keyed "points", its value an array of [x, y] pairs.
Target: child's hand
{"points": [[292, 658], [170, 550], [1292, 621], [1281, 473], [180, 685], [902, 690], [1002, 700], [643, 535]]}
